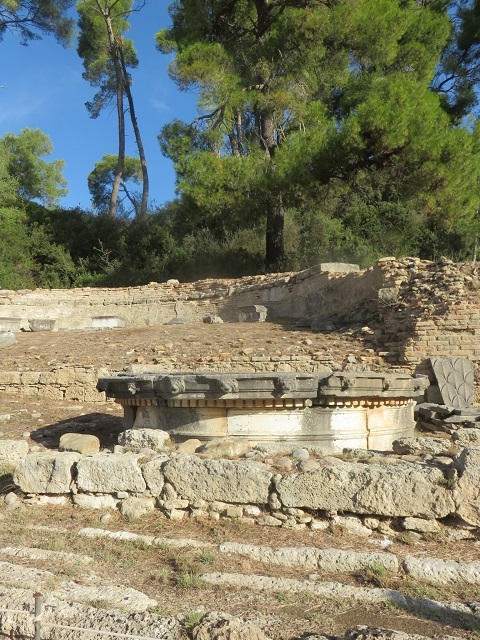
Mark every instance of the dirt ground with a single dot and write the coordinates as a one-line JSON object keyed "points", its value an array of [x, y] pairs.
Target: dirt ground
{"points": [[197, 344], [116, 349], [159, 572]]}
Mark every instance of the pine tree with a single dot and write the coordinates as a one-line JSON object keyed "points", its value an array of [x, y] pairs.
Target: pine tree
{"points": [[107, 57], [296, 95]]}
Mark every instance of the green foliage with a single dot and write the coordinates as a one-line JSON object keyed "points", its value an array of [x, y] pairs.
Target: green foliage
{"points": [[37, 179], [15, 261], [96, 50], [31, 19], [100, 182], [316, 107]]}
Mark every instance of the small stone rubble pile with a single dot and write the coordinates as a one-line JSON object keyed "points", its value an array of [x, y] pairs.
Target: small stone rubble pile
{"points": [[444, 419]]}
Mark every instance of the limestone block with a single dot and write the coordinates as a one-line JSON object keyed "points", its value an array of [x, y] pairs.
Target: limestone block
{"points": [[400, 490], [79, 442], [9, 377], [10, 324], [252, 313], [11, 452], [85, 376], [54, 393], [108, 473], [45, 472], [136, 439], [351, 525], [77, 394], [30, 377], [42, 500], [467, 437], [226, 448], [326, 560], [189, 446], [7, 339], [442, 572], [176, 503], [213, 320], [92, 395], [226, 480], [134, 508], [41, 324], [87, 501], [107, 322], [65, 376], [421, 525], [47, 377], [153, 475], [220, 626], [115, 597], [415, 446], [467, 491]]}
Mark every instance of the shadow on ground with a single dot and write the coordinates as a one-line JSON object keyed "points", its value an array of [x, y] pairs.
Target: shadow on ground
{"points": [[105, 427]]}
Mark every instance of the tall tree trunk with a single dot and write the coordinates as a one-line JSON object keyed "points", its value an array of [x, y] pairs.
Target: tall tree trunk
{"points": [[112, 206], [274, 236], [141, 150]]}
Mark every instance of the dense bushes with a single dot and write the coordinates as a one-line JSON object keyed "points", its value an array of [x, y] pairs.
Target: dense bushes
{"points": [[64, 248]]}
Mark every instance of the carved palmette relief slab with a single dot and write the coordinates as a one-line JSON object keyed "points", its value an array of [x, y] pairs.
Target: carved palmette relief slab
{"points": [[455, 380]]}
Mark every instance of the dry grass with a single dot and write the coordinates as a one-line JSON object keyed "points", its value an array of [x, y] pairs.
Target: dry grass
{"points": [[174, 576]]}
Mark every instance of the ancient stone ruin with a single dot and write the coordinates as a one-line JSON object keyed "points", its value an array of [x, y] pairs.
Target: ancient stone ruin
{"points": [[349, 409], [302, 443]]}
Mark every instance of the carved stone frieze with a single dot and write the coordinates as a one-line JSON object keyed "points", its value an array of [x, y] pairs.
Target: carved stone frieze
{"points": [[455, 378]]}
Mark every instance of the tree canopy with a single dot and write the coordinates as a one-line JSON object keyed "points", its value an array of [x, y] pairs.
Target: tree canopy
{"points": [[326, 130], [296, 96], [36, 178], [30, 19], [107, 58], [100, 183]]}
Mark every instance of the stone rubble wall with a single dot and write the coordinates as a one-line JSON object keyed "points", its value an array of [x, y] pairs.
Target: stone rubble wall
{"points": [[361, 492], [78, 384], [414, 309], [430, 309], [324, 289]]}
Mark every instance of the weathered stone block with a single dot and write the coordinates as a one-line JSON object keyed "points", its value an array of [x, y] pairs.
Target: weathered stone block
{"points": [[87, 501], [403, 490], [9, 377], [11, 452], [79, 442], [30, 377], [107, 322], [467, 491], [225, 480], [136, 439], [45, 472], [10, 324], [153, 475], [467, 437], [41, 324], [108, 473], [65, 376], [416, 446], [252, 313], [133, 508]]}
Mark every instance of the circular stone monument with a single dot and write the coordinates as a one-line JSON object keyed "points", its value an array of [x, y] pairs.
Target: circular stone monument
{"points": [[346, 409]]}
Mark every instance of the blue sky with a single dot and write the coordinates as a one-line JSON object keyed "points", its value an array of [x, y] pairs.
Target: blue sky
{"points": [[43, 89]]}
